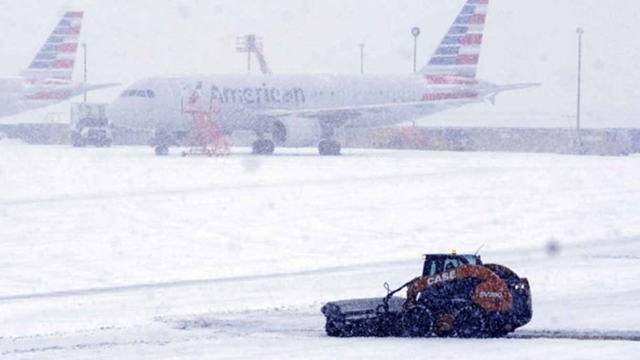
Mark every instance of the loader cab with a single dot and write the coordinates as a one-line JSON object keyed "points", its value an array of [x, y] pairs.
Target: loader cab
{"points": [[434, 264]]}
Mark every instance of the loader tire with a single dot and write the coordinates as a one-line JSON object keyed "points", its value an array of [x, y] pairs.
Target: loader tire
{"points": [[470, 322], [417, 321]]}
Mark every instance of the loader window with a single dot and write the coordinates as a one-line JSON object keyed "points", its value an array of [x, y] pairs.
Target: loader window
{"points": [[430, 268], [450, 264]]}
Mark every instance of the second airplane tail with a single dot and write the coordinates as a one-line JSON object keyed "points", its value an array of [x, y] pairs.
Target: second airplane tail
{"points": [[456, 58], [55, 60]]}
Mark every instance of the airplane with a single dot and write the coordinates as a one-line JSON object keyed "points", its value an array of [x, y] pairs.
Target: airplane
{"points": [[305, 110], [47, 80]]}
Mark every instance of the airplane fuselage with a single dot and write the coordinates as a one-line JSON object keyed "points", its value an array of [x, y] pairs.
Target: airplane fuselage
{"points": [[239, 101]]}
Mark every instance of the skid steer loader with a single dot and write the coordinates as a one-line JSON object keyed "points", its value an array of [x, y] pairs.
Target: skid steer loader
{"points": [[456, 296]]}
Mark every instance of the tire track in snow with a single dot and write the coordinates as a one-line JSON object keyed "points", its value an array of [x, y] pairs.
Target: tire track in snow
{"points": [[197, 282], [210, 189], [611, 335], [226, 326]]}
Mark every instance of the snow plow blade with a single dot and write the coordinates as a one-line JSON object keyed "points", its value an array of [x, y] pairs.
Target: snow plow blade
{"points": [[364, 317]]}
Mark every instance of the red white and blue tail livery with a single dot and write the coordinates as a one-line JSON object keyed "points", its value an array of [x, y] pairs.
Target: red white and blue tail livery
{"points": [[459, 51], [304, 110], [47, 80], [56, 57]]}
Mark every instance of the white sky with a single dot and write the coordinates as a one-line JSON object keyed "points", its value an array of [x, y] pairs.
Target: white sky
{"points": [[525, 41]]}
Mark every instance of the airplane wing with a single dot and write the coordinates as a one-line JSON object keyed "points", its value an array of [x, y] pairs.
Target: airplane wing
{"points": [[461, 96], [81, 88], [344, 110]]}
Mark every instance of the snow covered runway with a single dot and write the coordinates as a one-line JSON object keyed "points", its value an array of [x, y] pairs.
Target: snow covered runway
{"points": [[116, 253]]}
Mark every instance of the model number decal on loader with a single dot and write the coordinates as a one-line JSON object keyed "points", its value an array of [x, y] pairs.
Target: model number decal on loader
{"points": [[445, 276], [490, 294]]}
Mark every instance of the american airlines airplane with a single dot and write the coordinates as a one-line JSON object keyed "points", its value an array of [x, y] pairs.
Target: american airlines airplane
{"points": [[47, 80], [304, 110]]}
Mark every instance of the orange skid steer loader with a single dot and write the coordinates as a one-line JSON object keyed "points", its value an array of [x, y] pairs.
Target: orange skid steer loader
{"points": [[457, 295]]}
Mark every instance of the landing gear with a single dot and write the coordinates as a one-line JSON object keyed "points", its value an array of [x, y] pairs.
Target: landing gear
{"points": [[78, 143], [162, 150], [162, 139], [263, 147], [329, 148]]}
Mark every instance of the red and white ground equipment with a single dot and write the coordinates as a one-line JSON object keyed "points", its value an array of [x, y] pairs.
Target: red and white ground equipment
{"points": [[207, 138]]}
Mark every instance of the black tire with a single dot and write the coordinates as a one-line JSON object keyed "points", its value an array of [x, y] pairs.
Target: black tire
{"points": [[162, 150], [329, 148], [417, 321], [498, 333], [263, 147], [496, 325], [470, 322]]}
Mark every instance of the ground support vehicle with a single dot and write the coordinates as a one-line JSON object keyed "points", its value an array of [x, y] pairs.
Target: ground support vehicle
{"points": [[457, 295]]}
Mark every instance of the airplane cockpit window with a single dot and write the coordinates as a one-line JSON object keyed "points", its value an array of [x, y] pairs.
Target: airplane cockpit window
{"points": [[150, 94], [141, 93]]}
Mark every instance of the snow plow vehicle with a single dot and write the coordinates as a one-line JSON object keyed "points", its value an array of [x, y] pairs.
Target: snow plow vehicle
{"points": [[456, 296]]}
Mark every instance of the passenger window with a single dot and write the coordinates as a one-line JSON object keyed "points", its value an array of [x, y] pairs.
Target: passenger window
{"points": [[150, 94]]}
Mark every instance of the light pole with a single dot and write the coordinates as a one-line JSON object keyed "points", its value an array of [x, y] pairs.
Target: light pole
{"points": [[361, 58], [579, 31], [415, 32], [84, 48]]}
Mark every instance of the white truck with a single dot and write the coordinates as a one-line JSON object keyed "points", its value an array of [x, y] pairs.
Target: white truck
{"points": [[90, 125]]}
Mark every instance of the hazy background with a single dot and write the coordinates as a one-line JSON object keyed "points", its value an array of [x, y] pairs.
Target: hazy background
{"points": [[525, 41]]}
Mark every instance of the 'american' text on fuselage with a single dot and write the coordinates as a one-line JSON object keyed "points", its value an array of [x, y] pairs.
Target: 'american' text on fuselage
{"points": [[258, 95]]}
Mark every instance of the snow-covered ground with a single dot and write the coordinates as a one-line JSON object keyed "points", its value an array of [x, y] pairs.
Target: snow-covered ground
{"points": [[117, 253]]}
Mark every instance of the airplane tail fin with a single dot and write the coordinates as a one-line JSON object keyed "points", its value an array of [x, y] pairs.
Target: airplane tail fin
{"points": [[456, 58], [55, 60]]}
